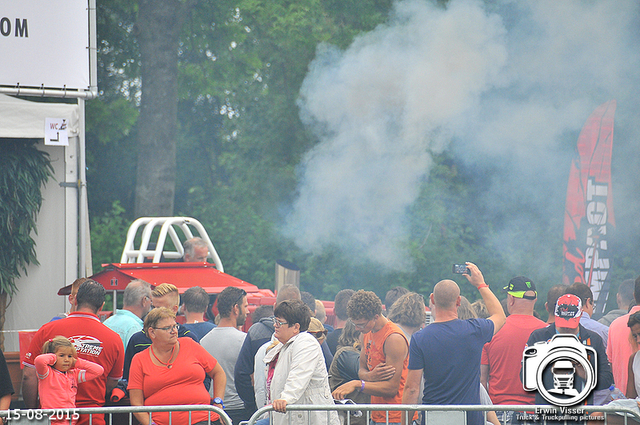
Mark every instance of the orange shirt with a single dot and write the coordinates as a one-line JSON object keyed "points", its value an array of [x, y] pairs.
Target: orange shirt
{"points": [[374, 350], [182, 384], [619, 349]]}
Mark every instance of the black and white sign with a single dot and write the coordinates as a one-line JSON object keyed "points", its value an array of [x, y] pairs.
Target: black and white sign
{"points": [[44, 43]]}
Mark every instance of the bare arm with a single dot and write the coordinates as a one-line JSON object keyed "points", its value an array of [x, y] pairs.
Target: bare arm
{"points": [[347, 388], [496, 313], [631, 385], [136, 397], [381, 372], [484, 376], [493, 418], [395, 351], [411, 390], [219, 381], [5, 403], [30, 387]]}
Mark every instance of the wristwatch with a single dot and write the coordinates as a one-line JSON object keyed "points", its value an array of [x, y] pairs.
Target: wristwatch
{"points": [[219, 401]]}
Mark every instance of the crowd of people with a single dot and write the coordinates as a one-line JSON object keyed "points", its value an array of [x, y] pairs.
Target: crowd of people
{"points": [[454, 353]]}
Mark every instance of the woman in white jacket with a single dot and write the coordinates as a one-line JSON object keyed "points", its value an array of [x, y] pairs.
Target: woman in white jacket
{"points": [[296, 372]]}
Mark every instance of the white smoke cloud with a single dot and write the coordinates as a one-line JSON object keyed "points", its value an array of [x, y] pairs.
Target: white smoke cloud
{"points": [[507, 82], [378, 109]]}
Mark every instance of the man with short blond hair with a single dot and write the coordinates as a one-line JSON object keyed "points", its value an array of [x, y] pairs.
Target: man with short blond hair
{"points": [[164, 295]]}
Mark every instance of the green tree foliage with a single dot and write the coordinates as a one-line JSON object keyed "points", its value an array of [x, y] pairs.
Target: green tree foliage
{"points": [[108, 233], [241, 66], [240, 140], [23, 171]]}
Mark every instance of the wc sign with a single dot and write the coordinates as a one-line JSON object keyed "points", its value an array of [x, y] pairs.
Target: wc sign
{"points": [[56, 132]]}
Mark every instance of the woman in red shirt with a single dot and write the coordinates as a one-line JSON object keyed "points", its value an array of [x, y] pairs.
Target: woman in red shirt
{"points": [[171, 372]]}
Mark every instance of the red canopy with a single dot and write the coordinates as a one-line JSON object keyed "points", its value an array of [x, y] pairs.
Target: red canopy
{"points": [[183, 275]]}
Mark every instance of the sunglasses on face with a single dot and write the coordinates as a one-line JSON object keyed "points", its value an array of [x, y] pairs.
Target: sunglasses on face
{"points": [[278, 323], [169, 328]]}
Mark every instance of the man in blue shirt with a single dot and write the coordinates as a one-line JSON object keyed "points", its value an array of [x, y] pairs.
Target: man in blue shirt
{"points": [[448, 351], [195, 302], [136, 305]]}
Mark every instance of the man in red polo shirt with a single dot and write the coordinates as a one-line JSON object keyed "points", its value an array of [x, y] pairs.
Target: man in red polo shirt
{"points": [[93, 341], [501, 358]]}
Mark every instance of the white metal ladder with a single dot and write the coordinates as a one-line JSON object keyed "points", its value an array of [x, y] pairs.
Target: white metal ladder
{"points": [[168, 226]]}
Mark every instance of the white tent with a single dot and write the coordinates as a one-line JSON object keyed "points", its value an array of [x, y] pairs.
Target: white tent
{"points": [[62, 221]]}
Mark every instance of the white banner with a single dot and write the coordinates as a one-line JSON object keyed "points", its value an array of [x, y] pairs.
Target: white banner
{"points": [[44, 42]]}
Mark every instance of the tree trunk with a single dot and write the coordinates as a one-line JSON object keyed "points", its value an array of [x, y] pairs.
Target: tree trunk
{"points": [[158, 29], [3, 315]]}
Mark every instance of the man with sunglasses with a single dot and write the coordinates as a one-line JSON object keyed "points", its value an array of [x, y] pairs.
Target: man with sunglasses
{"points": [[233, 307]]}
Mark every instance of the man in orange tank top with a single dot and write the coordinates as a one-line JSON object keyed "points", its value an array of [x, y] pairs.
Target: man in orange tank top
{"points": [[384, 357]]}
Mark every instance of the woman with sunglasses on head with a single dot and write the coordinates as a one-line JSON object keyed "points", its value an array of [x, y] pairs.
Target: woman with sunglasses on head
{"points": [[171, 372], [296, 373], [316, 328]]}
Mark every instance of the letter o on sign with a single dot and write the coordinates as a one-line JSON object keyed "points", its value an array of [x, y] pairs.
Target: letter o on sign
{"points": [[5, 26]]}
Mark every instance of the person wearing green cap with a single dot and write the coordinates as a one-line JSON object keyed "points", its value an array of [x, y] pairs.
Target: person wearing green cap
{"points": [[500, 363]]}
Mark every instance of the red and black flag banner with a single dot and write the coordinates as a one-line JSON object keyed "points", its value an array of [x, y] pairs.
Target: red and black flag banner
{"points": [[588, 217]]}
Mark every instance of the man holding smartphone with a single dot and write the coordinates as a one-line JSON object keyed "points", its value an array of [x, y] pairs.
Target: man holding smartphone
{"points": [[448, 351]]}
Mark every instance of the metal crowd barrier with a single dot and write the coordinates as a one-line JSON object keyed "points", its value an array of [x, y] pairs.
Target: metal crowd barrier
{"points": [[455, 414], [434, 414], [117, 415]]}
